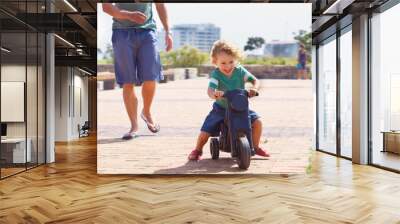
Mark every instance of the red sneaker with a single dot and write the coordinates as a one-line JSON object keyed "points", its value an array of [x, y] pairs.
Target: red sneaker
{"points": [[195, 155], [262, 152]]}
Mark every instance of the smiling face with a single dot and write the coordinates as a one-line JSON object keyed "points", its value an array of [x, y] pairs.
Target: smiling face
{"points": [[225, 63]]}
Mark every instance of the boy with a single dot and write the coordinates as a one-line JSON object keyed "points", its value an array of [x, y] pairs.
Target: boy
{"points": [[228, 75]]}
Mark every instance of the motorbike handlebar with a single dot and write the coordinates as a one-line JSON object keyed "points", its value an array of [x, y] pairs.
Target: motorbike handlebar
{"points": [[257, 93]]}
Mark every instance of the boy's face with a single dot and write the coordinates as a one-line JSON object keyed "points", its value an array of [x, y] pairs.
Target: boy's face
{"points": [[225, 62]]}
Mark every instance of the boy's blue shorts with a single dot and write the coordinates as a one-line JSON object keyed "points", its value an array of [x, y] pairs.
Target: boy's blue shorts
{"points": [[215, 118], [136, 58]]}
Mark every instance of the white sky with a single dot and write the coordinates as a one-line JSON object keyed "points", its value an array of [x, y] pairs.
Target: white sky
{"points": [[238, 21]]}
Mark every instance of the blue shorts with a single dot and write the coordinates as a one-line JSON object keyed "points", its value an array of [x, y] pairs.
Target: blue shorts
{"points": [[301, 66], [136, 58], [215, 118]]}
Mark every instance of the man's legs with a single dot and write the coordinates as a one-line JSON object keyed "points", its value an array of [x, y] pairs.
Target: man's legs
{"points": [[304, 71], [125, 73], [298, 74], [148, 91], [149, 72], [131, 104]]}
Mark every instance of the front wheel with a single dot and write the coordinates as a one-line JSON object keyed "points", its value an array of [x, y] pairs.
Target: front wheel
{"points": [[244, 151], [214, 148]]}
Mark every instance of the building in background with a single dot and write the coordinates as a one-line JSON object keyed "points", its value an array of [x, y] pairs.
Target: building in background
{"points": [[200, 36]]}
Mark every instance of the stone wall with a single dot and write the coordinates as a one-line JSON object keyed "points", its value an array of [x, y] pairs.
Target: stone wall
{"points": [[260, 71], [105, 68], [177, 73], [263, 71]]}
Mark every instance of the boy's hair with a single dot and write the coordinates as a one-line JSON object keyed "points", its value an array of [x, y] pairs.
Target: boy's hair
{"points": [[225, 47]]}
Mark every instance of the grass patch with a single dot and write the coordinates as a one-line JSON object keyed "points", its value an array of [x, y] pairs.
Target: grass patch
{"points": [[310, 159]]}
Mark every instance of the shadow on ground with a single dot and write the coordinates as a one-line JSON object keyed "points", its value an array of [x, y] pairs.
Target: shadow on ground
{"points": [[119, 140], [206, 166]]}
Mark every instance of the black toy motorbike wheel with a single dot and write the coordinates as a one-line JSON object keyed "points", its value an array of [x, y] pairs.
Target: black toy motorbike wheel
{"points": [[224, 140], [244, 151], [214, 148]]}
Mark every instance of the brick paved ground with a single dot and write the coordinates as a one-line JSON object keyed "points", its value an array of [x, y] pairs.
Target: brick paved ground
{"points": [[286, 107]]}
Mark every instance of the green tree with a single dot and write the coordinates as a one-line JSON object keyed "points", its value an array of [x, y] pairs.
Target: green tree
{"points": [[304, 38], [186, 56], [109, 53], [99, 52], [254, 43]]}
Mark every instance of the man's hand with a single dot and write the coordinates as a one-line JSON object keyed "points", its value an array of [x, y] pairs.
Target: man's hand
{"points": [[162, 13], [135, 16], [218, 94], [253, 92], [168, 41]]}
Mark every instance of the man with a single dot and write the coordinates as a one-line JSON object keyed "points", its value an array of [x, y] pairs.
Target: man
{"points": [[136, 59], [301, 63]]}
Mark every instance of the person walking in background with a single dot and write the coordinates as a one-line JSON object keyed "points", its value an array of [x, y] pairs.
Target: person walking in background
{"points": [[136, 59], [301, 63]]}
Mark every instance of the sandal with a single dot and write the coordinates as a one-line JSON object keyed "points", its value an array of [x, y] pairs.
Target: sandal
{"points": [[130, 135], [195, 155], [153, 128], [262, 152]]}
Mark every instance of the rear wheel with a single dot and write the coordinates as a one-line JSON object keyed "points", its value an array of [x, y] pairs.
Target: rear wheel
{"points": [[244, 151], [214, 148]]}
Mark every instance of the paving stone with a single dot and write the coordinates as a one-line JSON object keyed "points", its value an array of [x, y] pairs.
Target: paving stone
{"points": [[285, 107]]}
